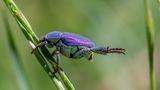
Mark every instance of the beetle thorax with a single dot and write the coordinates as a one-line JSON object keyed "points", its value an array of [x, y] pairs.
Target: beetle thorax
{"points": [[51, 41], [53, 36]]}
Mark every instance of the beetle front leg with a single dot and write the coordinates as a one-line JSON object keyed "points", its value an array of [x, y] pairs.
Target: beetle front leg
{"points": [[40, 44], [104, 50]]}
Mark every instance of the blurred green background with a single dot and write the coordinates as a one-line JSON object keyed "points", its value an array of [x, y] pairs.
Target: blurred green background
{"points": [[114, 23]]}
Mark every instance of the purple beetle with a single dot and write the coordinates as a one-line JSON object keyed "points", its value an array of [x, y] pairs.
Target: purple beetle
{"points": [[74, 46]]}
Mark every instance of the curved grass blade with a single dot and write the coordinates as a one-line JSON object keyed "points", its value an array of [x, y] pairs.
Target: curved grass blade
{"points": [[150, 38], [46, 57]]}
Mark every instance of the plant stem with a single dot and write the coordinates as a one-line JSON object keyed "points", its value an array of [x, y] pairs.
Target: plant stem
{"points": [[47, 67], [43, 55], [150, 38]]}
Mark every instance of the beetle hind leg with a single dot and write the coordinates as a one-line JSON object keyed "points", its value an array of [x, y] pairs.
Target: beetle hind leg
{"points": [[104, 50], [85, 52]]}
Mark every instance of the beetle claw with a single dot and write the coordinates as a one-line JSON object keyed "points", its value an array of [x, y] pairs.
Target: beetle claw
{"points": [[34, 49], [57, 69], [116, 50], [42, 43]]}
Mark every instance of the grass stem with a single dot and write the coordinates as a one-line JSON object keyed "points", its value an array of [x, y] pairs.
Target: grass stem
{"points": [[150, 39], [42, 54]]}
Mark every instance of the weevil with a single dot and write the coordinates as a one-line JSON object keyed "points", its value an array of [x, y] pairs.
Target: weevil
{"points": [[73, 46]]}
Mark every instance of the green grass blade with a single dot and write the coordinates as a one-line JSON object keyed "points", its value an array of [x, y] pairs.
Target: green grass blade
{"points": [[150, 39], [47, 68], [17, 65], [43, 52], [66, 81]]}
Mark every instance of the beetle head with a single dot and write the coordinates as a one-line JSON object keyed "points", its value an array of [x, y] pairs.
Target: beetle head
{"points": [[51, 39], [44, 42]]}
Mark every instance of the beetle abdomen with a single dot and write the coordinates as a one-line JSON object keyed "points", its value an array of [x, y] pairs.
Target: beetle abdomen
{"points": [[69, 51]]}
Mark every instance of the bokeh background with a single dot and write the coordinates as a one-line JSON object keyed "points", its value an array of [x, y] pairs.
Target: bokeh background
{"points": [[114, 23]]}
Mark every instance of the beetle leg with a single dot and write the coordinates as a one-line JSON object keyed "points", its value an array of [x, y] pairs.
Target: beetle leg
{"points": [[57, 57], [56, 53], [104, 50], [55, 67], [81, 53], [42, 43]]}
